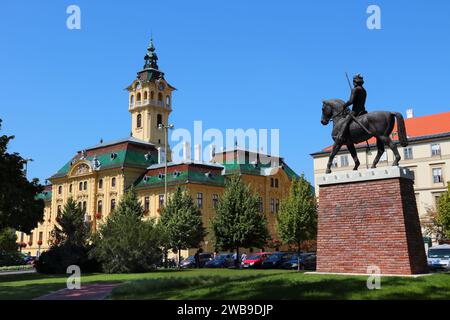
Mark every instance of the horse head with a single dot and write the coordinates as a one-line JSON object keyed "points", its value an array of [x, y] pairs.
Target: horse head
{"points": [[330, 108]]}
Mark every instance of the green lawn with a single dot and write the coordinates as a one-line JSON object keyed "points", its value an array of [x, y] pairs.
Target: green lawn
{"points": [[235, 284]]}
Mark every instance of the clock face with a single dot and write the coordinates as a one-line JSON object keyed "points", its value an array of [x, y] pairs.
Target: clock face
{"points": [[138, 86], [161, 86]]}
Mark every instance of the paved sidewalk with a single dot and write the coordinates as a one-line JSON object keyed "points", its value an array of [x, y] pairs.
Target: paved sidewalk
{"points": [[4, 273], [87, 292]]}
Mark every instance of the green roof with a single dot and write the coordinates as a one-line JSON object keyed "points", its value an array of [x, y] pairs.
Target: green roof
{"points": [[191, 175], [45, 195], [125, 158]]}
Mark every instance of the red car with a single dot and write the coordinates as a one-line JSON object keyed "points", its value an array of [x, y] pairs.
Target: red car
{"points": [[255, 260]]}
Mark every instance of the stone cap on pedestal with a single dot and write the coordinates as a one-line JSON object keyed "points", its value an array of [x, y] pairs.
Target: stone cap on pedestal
{"points": [[364, 175]]}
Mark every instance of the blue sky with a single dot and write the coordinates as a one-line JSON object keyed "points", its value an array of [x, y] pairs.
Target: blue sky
{"points": [[236, 64]]}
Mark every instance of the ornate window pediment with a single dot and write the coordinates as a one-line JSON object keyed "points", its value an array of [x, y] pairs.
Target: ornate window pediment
{"points": [[80, 169]]}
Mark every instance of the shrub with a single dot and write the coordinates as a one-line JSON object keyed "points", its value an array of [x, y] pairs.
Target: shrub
{"points": [[58, 258]]}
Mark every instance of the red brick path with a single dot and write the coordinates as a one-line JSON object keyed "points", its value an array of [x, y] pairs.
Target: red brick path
{"points": [[87, 292], [370, 223]]}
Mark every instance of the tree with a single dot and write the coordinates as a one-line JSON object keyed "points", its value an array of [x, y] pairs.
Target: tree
{"points": [[432, 226], [19, 207], [444, 211], [70, 228], [181, 222], [69, 244], [238, 222], [297, 220], [8, 240], [8, 248], [126, 243]]}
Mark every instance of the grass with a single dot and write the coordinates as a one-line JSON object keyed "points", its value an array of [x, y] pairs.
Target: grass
{"points": [[235, 284]]}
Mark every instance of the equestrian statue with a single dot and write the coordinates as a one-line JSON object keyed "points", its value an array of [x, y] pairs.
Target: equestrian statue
{"points": [[354, 126]]}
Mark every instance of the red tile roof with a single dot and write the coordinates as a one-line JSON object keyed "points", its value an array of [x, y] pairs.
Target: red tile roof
{"points": [[428, 125]]}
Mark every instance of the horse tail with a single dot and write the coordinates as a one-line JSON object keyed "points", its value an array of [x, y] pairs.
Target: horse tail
{"points": [[402, 137]]}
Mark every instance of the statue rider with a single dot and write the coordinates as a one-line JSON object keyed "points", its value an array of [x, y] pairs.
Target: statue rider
{"points": [[358, 100]]}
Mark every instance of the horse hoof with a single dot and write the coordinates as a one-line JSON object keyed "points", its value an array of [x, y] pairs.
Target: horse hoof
{"points": [[328, 171]]}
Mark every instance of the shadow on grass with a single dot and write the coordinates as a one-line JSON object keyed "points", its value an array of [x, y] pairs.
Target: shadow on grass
{"points": [[290, 285]]}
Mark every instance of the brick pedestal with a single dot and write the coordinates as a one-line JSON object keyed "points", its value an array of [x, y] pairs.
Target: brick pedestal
{"points": [[369, 218]]}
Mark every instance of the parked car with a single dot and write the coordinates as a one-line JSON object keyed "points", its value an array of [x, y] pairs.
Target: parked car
{"points": [[29, 259], [307, 261], [275, 259], [255, 260], [439, 257], [189, 262], [223, 260]]}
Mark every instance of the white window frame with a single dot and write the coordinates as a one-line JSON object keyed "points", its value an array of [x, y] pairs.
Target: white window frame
{"points": [[435, 151], [344, 163], [408, 153], [441, 178]]}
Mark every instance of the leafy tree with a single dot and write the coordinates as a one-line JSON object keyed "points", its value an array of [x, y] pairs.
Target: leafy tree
{"points": [[238, 222], [181, 222], [444, 211], [8, 240], [432, 226], [8, 248], [297, 220], [127, 243], [19, 207], [69, 244]]}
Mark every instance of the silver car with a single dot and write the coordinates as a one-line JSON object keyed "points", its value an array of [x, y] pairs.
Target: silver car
{"points": [[439, 257]]}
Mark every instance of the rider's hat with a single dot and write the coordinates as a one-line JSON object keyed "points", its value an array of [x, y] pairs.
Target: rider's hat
{"points": [[358, 79]]}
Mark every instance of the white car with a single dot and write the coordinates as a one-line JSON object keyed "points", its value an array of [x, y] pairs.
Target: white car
{"points": [[439, 257]]}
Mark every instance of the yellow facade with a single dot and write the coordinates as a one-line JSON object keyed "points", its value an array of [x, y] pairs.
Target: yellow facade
{"points": [[97, 177]]}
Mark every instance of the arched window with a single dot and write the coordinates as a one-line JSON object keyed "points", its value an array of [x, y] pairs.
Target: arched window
{"points": [[139, 120], [113, 182], [145, 95], [70, 188], [152, 95], [132, 99], [138, 96], [60, 190], [158, 120], [113, 204], [167, 101], [80, 186], [100, 206], [100, 184], [85, 185], [160, 97]]}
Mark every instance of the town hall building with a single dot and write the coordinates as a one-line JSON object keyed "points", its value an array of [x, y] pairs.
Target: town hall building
{"points": [[98, 176]]}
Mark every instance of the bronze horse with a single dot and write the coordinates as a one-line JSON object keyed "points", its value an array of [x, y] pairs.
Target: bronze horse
{"points": [[380, 125]]}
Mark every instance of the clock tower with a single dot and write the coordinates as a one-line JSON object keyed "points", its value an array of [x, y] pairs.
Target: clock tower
{"points": [[150, 101]]}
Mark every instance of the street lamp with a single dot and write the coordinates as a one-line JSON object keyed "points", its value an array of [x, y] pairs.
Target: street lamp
{"points": [[26, 165], [166, 133]]}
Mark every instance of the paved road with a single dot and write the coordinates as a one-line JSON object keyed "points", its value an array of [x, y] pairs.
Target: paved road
{"points": [[87, 292], [4, 273]]}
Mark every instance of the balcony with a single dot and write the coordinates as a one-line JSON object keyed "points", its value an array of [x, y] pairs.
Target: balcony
{"points": [[152, 102]]}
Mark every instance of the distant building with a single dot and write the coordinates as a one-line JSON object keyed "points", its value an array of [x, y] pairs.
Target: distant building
{"points": [[427, 155], [97, 177]]}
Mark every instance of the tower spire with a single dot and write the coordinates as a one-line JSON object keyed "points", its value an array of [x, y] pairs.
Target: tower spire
{"points": [[151, 58]]}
